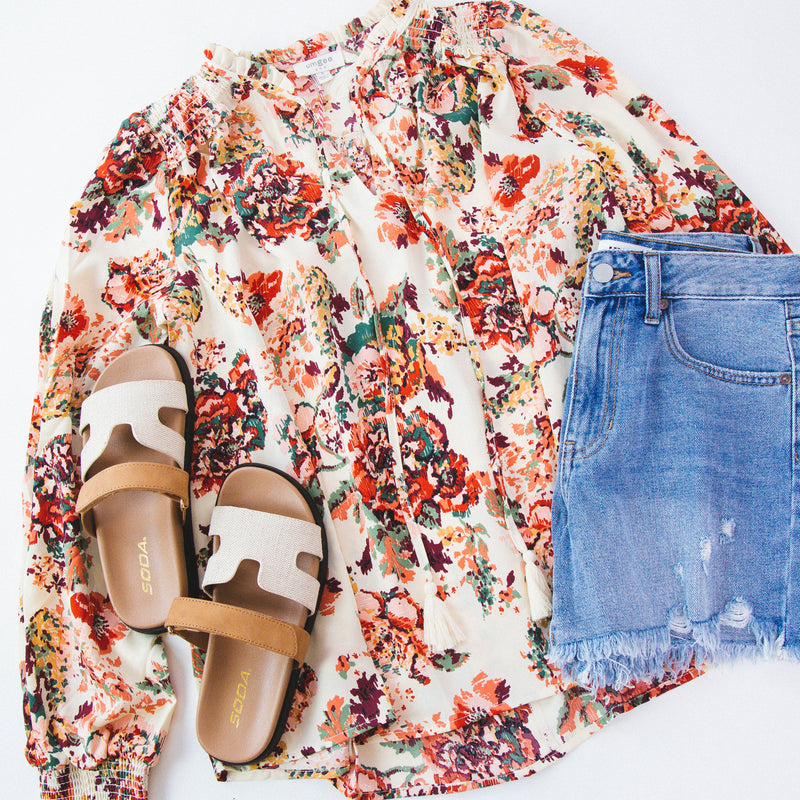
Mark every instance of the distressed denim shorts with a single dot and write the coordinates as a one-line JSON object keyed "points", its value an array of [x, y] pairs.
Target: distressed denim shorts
{"points": [[675, 516]]}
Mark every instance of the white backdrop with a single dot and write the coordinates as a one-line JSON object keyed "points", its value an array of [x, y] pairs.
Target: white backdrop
{"points": [[727, 71]]}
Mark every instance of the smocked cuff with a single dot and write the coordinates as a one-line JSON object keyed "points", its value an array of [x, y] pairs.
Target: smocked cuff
{"points": [[117, 780]]}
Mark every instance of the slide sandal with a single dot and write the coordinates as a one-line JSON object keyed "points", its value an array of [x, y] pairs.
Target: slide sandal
{"points": [[265, 577], [136, 427]]}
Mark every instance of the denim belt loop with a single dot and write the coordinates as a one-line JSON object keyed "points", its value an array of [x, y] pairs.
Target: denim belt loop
{"points": [[652, 273]]}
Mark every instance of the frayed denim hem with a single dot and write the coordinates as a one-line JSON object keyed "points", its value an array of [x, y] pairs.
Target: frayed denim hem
{"points": [[621, 659]]}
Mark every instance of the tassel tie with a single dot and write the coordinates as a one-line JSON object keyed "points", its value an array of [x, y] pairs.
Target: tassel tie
{"points": [[539, 594], [440, 629]]}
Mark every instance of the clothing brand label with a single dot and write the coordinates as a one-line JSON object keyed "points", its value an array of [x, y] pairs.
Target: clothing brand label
{"points": [[144, 567], [238, 700], [322, 65]]}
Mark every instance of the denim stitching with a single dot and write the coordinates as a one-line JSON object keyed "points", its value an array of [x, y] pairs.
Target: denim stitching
{"points": [[790, 330], [681, 296], [606, 393], [615, 357], [742, 377], [693, 247]]}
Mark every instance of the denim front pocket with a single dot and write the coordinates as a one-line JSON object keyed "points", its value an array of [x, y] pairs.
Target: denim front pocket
{"points": [[714, 336], [592, 400]]}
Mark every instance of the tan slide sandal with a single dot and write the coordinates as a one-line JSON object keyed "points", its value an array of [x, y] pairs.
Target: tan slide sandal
{"points": [[137, 437], [265, 577]]}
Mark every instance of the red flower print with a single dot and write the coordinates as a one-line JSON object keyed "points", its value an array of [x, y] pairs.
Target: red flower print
{"points": [[372, 461], [735, 217], [490, 299], [398, 225], [229, 423], [595, 72], [122, 286], [276, 199], [73, 320], [403, 614], [457, 491], [508, 178], [330, 592], [432, 469], [260, 290], [105, 626]]}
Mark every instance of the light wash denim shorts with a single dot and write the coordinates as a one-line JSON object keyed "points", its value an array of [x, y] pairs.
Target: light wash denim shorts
{"points": [[675, 515]]}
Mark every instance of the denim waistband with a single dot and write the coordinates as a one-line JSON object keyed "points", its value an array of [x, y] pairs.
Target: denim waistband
{"points": [[711, 241], [692, 274]]}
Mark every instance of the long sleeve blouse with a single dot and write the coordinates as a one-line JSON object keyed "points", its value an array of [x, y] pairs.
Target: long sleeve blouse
{"points": [[368, 247]]}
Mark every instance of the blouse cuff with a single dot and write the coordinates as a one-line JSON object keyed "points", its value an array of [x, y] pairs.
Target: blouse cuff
{"points": [[115, 780]]}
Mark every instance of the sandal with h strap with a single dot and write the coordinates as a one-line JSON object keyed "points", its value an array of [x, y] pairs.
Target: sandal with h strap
{"points": [[136, 427], [265, 577]]}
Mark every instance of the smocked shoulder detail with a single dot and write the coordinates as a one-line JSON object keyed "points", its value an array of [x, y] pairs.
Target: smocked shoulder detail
{"points": [[190, 120]]}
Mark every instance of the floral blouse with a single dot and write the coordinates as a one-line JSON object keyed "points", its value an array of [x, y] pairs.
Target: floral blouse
{"points": [[368, 247]]}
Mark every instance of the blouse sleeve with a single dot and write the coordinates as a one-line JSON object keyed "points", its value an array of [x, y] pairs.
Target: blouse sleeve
{"points": [[97, 699], [602, 153]]}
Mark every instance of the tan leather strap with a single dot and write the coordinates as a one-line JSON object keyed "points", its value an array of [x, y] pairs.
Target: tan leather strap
{"points": [[132, 476], [194, 619]]}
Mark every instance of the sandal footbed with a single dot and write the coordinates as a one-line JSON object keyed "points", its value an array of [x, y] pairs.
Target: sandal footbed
{"points": [[246, 692]]}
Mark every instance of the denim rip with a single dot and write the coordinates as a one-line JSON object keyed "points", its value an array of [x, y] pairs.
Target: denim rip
{"points": [[675, 510]]}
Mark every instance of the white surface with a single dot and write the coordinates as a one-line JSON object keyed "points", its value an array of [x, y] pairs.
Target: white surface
{"points": [[727, 71]]}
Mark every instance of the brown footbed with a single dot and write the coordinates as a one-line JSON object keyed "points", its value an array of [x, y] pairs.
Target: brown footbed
{"points": [[140, 534], [244, 688]]}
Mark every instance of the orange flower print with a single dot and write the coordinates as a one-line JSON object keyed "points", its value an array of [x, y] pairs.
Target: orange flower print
{"points": [[508, 178], [104, 624], [260, 290], [372, 460], [337, 713], [595, 72], [398, 225], [402, 613], [73, 320], [437, 477], [127, 161], [487, 697], [330, 592], [578, 709]]}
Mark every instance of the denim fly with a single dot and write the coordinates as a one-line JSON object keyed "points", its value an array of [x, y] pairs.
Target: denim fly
{"points": [[675, 529]]}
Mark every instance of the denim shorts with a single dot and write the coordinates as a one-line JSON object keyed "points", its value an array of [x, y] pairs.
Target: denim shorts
{"points": [[675, 515]]}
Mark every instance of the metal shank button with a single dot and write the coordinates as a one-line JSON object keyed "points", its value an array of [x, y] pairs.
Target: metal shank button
{"points": [[603, 273], [785, 379]]}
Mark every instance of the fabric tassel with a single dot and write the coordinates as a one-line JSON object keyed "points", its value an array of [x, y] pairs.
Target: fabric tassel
{"points": [[440, 631], [539, 595]]}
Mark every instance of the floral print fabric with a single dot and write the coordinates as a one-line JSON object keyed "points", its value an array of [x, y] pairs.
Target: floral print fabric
{"points": [[374, 277]]}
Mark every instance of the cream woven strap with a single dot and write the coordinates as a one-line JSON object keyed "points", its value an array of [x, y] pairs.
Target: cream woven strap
{"points": [[273, 542], [134, 403], [194, 620]]}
